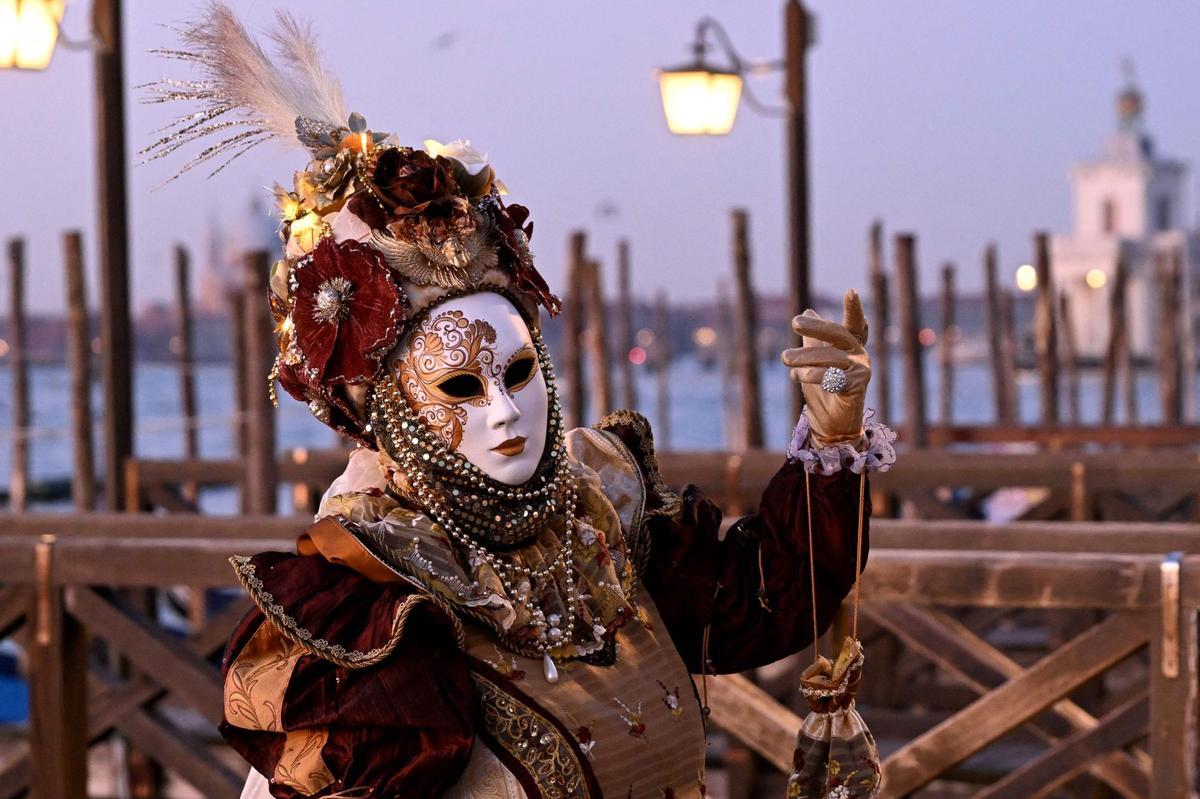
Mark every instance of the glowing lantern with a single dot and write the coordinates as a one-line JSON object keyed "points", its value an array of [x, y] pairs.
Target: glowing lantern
{"points": [[699, 99], [28, 32]]}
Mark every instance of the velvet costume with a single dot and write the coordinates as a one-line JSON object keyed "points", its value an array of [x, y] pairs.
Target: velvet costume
{"points": [[408, 725]]}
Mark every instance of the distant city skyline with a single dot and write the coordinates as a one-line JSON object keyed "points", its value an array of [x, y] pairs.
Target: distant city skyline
{"points": [[955, 121]]}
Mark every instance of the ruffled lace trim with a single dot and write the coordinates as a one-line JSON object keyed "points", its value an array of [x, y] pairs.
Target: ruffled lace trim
{"points": [[877, 453]]}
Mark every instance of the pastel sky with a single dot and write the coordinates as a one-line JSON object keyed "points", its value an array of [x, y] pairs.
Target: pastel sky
{"points": [[957, 120]]}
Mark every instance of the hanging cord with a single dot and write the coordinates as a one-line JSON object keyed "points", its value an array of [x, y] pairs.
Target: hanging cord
{"points": [[862, 495], [812, 567]]}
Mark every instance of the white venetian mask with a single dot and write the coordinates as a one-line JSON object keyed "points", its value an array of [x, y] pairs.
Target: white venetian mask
{"points": [[471, 373]]}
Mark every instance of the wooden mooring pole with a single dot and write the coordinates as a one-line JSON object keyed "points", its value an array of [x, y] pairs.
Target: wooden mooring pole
{"points": [[237, 360], [881, 374], [1008, 328], [1001, 375], [261, 468], [18, 362], [1116, 354], [625, 328], [187, 368], [1170, 360], [1070, 358], [946, 351], [1046, 330], [79, 365], [723, 324], [597, 339], [911, 352], [575, 408], [745, 322], [662, 366]]}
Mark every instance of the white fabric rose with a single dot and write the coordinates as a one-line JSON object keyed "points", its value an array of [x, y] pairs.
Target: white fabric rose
{"points": [[474, 163]]}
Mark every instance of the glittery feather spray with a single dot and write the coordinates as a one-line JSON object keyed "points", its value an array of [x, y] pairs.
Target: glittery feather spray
{"points": [[243, 97]]}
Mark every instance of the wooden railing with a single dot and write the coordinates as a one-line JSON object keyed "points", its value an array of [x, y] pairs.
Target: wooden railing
{"points": [[57, 593], [1129, 486]]}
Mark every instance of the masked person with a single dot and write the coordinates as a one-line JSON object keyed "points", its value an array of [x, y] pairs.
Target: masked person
{"points": [[488, 605]]}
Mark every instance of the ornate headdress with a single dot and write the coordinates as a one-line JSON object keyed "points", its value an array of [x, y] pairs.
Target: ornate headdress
{"points": [[374, 232]]}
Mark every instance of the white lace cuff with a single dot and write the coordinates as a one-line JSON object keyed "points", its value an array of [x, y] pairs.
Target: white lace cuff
{"points": [[877, 453]]}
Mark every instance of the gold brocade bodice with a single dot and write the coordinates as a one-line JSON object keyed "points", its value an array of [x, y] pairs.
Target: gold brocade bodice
{"points": [[637, 722]]}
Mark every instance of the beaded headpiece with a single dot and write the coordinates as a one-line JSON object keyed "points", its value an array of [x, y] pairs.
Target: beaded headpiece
{"points": [[374, 232]]}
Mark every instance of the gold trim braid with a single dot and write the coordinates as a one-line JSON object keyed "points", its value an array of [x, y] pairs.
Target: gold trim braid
{"points": [[536, 743], [319, 647]]}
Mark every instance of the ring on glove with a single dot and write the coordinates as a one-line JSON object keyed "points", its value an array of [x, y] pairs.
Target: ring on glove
{"points": [[834, 380]]}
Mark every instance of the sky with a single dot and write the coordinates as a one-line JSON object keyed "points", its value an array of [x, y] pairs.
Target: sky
{"points": [[954, 120]]}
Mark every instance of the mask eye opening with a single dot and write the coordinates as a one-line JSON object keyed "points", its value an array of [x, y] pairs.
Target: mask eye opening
{"points": [[459, 387], [520, 371]]}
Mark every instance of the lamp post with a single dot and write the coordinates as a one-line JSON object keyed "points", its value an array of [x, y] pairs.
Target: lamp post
{"points": [[702, 99], [29, 32]]}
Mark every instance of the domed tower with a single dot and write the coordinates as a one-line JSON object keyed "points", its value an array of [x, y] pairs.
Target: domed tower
{"points": [[1128, 202]]}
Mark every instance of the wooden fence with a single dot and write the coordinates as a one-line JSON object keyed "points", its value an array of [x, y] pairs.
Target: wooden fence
{"points": [[1129, 485], [57, 593]]}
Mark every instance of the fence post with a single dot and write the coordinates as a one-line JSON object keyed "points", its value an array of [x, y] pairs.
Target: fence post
{"points": [[18, 360], [79, 365], [57, 688], [745, 340], [261, 467], [1173, 641]]}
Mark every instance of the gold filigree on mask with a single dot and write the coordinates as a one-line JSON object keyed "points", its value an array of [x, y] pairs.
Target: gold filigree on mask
{"points": [[446, 365]]}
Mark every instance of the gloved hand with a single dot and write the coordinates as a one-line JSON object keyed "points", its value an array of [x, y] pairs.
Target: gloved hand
{"points": [[833, 418]]}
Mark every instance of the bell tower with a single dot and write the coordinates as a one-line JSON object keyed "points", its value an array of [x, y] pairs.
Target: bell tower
{"points": [[1128, 202]]}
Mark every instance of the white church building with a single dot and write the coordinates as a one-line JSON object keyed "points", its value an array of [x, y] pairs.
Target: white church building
{"points": [[1128, 202]]}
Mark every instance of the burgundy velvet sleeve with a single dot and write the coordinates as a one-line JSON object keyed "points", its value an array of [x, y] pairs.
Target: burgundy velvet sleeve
{"points": [[401, 728], [697, 580]]}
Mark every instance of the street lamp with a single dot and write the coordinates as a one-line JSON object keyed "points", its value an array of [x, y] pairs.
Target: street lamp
{"points": [[28, 32], [701, 99]]}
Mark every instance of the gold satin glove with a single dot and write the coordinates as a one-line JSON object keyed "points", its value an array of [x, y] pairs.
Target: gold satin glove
{"points": [[833, 418]]}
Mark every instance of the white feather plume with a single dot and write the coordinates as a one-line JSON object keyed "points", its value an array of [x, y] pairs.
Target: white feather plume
{"points": [[243, 97], [298, 46]]}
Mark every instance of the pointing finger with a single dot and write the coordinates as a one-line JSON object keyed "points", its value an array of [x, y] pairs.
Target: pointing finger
{"points": [[853, 318]]}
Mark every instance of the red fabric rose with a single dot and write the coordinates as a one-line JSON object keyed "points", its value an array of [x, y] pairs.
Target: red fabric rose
{"points": [[347, 312]]}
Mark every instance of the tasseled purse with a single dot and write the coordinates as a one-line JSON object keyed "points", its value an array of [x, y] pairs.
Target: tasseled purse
{"points": [[835, 755]]}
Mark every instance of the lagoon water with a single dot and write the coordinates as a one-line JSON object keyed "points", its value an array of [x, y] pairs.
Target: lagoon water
{"points": [[697, 420]]}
